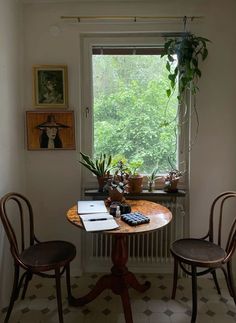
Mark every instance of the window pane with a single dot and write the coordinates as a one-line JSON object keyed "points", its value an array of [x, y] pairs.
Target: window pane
{"points": [[131, 111]]}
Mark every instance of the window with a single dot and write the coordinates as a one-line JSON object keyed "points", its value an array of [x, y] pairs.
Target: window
{"points": [[130, 107], [130, 112]]}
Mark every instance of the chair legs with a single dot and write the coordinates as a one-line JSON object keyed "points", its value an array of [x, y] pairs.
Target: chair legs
{"points": [[194, 294], [14, 293], [228, 276], [194, 287], [230, 281], [28, 277], [68, 282], [27, 280], [58, 290], [216, 282], [175, 278]]}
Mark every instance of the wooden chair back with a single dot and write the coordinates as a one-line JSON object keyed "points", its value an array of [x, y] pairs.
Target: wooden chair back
{"points": [[16, 213], [218, 223]]}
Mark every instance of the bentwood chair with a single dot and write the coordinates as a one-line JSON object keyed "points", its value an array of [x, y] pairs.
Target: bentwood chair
{"points": [[208, 252], [31, 255]]}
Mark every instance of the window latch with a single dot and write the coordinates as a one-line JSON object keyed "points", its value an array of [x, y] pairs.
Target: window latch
{"points": [[86, 112]]}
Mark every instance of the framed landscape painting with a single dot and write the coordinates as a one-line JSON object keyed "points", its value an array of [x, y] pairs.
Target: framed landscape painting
{"points": [[50, 86], [50, 130]]}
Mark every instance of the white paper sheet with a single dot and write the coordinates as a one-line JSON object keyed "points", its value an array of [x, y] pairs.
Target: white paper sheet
{"points": [[98, 222]]}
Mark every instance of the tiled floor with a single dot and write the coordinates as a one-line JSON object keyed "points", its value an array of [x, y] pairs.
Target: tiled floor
{"points": [[154, 306]]}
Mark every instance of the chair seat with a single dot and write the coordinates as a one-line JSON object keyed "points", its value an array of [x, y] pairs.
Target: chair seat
{"points": [[48, 255], [199, 252]]}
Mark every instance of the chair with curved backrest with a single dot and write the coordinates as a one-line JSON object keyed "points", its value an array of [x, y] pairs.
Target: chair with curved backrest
{"points": [[33, 256], [207, 252]]}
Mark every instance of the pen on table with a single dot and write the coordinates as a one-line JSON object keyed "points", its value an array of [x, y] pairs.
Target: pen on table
{"points": [[102, 219]]}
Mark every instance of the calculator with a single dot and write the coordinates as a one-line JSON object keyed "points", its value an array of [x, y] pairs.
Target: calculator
{"points": [[134, 218]]}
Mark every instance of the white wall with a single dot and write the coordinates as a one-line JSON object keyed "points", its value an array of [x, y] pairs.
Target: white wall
{"points": [[213, 158], [12, 172], [53, 178]]}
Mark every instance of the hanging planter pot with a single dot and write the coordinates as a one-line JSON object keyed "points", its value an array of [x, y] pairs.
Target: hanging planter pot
{"points": [[185, 72], [184, 56]]}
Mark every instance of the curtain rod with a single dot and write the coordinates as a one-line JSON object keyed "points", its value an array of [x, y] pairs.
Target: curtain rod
{"points": [[134, 18]]}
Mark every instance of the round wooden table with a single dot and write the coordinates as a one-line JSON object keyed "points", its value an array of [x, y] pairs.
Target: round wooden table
{"points": [[120, 277]]}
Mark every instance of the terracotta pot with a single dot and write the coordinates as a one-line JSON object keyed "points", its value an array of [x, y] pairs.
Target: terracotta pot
{"points": [[135, 184], [171, 186], [115, 195], [102, 180]]}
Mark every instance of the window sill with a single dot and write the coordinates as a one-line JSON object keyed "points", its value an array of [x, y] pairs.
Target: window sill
{"points": [[144, 194]]}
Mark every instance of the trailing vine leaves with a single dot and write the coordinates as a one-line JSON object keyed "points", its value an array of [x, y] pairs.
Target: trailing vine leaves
{"points": [[184, 71]]}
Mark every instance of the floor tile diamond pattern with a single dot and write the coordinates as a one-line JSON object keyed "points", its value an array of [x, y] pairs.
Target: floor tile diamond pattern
{"points": [[153, 306]]}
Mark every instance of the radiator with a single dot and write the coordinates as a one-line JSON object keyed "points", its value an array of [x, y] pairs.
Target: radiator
{"points": [[146, 251]]}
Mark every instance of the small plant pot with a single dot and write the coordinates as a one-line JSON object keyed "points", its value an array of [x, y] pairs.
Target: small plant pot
{"points": [[102, 180], [150, 186], [171, 186], [135, 184], [115, 195]]}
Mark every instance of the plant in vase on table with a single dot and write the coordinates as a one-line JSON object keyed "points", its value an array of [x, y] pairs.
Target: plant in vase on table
{"points": [[116, 188], [100, 167], [117, 184]]}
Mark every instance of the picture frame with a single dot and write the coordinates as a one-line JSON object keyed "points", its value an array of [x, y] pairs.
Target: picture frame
{"points": [[50, 86], [50, 130]]}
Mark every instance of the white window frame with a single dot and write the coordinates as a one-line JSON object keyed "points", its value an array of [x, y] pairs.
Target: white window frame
{"points": [[87, 42]]}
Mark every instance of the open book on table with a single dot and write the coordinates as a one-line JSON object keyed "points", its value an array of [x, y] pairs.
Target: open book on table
{"points": [[95, 216]]}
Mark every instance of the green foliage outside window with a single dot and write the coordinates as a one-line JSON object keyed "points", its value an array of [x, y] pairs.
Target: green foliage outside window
{"points": [[130, 109]]}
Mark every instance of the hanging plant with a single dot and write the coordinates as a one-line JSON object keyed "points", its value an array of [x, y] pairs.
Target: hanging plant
{"points": [[184, 55], [184, 71]]}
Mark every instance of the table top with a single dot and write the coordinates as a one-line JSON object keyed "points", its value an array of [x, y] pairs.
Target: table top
{"points": [[158, 214]]}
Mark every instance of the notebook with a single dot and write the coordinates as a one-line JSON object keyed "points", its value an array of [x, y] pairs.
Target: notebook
{"points": [[98, 221], [95, 216]]}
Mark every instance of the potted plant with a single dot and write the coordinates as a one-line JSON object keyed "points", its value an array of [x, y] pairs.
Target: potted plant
{"points": [[120, 167], [184, 70], [171, 181], [189, 50], [116, 187], [100, 167], [152, 178], [135, 180]]}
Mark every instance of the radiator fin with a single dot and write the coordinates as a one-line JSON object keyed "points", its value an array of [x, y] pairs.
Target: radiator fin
{"points": [[149, 248]]}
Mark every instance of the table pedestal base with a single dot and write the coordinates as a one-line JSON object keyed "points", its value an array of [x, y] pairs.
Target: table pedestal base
{"points": [[118, 281]]}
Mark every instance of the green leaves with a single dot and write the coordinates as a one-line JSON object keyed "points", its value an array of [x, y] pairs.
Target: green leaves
{"points": [[188, 50], [129, 120], [100, 166], [168, 92], [204, 54], [154, 175]]}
